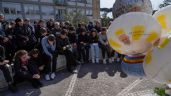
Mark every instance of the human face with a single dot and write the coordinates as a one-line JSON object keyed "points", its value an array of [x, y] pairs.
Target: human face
{"points": [[35, 55], [20, 23], [1, 18], [51, 42], [24, 58]]}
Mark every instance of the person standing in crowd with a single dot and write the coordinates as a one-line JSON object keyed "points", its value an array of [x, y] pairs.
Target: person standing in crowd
{"points": [[32, 38], [97, 26], [64, 47], [40, 24], [36, 58], [4, 67], [22, 34], [48, 44], [83, 46], [104, 45], [73, 40], [90, 26], [94, 46], [10, 30], [26, 70], [3, 25], [50, 25], [56, 30], [9, 47]]}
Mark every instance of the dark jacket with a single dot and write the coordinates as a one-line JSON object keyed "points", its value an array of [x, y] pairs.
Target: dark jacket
{"points": [[94, 39], [83, 38], [72, 38], [62, 43], [2, 53], [19, 70]]}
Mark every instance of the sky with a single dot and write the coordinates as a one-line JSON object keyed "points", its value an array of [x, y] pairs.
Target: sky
{"points": [[109, 3]]}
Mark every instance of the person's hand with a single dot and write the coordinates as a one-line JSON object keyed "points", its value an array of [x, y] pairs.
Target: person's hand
{"points": [[64, 48], [5, 39], [41, 67], [82, 42], [10, 37], [6, 61], [36, 76], [25, 67]]}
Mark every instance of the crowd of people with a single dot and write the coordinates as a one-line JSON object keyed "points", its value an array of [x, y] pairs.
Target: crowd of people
{"points": [[32, 49]]}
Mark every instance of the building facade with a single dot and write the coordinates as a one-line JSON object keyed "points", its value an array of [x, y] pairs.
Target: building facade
{"points": [[45, 9]]}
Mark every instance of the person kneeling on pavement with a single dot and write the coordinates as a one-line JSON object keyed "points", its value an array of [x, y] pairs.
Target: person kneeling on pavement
{"points": [[4, 67], [49, 54], [25, 69], [64, 48]]}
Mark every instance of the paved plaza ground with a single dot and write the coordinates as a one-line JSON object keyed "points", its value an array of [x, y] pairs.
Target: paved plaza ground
{"points": [[91, 80]]}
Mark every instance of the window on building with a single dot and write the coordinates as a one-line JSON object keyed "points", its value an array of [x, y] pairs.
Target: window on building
{"points": [[11, 8], [49, 1], [72, 0], [59, 1], [59, 14], [89, 12], [30, 9], [47, 10], [89, 1], [71, 10]]}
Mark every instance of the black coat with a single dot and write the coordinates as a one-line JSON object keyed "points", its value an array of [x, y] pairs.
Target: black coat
{"points": [[19, 70], [61, 43], [94, 39], [72, 38]]}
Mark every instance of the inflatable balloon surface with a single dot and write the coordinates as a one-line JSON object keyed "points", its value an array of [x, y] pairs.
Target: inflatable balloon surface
{"points": [[121, 7], [133, 33], [163, 16], [157, 64]]}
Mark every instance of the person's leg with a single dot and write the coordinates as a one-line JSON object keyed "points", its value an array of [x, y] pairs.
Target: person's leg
{"points": [[8, 78], [96, 49], [92, 53], [87, 53], [103, 50], [47, 60], [84, 55], [68, 61], [79, 53]]}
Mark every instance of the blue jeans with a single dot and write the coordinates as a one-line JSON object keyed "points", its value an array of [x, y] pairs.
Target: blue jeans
{"points": [[94, 51], [133, 69]]}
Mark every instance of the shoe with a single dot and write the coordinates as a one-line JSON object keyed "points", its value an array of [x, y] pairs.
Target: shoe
{"points": [[75, 71], [97, 60], [12, 88], [39, 83], [52, 76], [104, 61], [47, 77], [93, 61], [118, 59]]}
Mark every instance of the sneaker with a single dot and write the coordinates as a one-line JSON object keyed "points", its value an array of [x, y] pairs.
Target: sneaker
{"points": [[118, 59], [12, 88], [53, 75], [93, 61], [97, 60], [104, 61], [110, 60], [47, 77]]}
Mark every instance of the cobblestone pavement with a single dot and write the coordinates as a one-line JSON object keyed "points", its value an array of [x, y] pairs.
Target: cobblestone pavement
{"points": [[91, 80]]}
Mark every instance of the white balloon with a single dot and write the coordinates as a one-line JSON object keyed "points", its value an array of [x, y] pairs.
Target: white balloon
{"points": [[157, 64], [163, 16], [133, 33]]}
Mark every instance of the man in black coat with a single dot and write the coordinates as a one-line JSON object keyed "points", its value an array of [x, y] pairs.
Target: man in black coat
{"points": [[64, 47], [4, 67]]}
